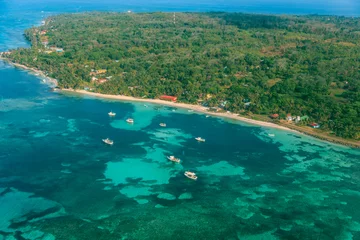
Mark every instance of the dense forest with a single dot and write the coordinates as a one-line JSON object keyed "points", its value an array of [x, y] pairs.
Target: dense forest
{"points": [[261, 64]]}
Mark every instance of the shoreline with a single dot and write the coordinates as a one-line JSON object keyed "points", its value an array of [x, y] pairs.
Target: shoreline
{"points": [[232, 116], [37, 72], [197, 108]]}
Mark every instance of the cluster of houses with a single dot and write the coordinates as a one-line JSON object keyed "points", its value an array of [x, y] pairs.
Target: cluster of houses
{"points": [[296, 119], [54, 49], [95, 73], [4, 54]]}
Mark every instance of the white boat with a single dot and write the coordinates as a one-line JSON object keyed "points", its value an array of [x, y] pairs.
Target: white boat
{"points": [[162, 124], [191, 175], [190, 110], [112, 114], [173, 159], [108, 141], [199, 139], [207, 116], [145, 105], [130, 120], [271, 135]]}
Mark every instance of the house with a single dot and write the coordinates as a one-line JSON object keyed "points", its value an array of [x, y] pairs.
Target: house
{"points": [[297, 119], [94, 79], [274, 116], [43, 32], [168, 98], [314, 125], [56, 49], [102, 80], [247, 104], [223, 104], [289, 117], [5, 53], [100, 71]]}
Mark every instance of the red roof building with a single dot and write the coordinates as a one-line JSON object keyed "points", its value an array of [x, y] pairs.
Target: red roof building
{"points": [[314, 125], [274, 116], [102, 80], [168, 98]]}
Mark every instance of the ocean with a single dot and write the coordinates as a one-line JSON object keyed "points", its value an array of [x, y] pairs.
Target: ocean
{"points": [[59, 181]]}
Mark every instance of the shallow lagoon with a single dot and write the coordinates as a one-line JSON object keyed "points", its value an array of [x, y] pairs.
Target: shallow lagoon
{"points": [[58, 180]]}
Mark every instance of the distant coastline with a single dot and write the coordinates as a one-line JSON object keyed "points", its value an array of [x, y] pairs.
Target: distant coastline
{"points": [[197, 108]]}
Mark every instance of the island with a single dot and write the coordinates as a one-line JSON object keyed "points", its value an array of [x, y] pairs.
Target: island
{"points": [[301, 72]]}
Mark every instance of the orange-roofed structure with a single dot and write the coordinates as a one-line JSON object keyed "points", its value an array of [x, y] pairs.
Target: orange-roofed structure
{"points": [[274, 116], [168, 98]]}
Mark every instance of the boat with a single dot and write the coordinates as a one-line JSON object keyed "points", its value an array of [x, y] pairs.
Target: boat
{"points": [[145, 105], [190, 110], [173, 159], [207, 116], [112, 114], [130, 120], [108, 141], [191, 175], [199, 139], [162, 124], [271, 135]]}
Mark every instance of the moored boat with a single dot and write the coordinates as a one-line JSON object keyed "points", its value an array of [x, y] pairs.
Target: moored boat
{"points": [[190, 175], [112, 114], [108, 141], [271, 135], [130, 120], [162, 124], [199, 139], [173, 159]]}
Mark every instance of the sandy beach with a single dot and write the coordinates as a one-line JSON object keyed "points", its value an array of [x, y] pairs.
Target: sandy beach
{"points": [[196, 108]]}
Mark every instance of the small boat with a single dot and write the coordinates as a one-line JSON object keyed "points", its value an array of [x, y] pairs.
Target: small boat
{"points": [[207, 116], [130, 120], [145, 105], [199, 139], [112, 114], [173, 159], [108, 141], [271, 135], [190, 110], [190, 175], [162, 124]]}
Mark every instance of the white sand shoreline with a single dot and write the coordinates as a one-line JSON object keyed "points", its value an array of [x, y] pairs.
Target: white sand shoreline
{"points": [[196, 108]]}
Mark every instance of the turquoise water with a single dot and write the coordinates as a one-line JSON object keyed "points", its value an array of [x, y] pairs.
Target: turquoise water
{"points": [[58, 181]]}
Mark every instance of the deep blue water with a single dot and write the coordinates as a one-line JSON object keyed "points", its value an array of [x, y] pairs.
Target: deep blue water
{"points": [[58, 181]]}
